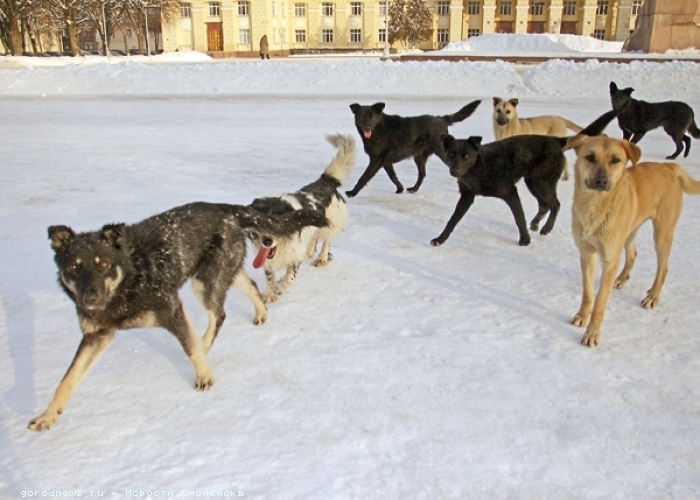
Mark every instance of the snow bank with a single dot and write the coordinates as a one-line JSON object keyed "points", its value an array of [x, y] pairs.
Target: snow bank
{"points": [[533, 43]]}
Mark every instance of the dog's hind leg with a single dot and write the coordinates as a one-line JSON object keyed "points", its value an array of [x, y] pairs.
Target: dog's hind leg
{"points": [[466, 199], [324, 257], [91, 348], [636, 137], [630, 259], [664, 229], [420, 161], [686, 141], [244, 283], [213, 302], [389, 169]]}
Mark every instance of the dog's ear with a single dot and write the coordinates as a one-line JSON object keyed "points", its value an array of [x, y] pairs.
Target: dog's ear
{"points": [[114, 234], [446, 140], [514, 102], [355, 108], [475, 140], [60, 236], [378, 107], [575, 142], [628, 90], [497, 101], [632, 150], [613, 87]]}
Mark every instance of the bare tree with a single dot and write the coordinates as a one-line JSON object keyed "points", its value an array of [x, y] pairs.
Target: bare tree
{"points": [[410, 22], [103, 16], [148, 15], [10, 25]]}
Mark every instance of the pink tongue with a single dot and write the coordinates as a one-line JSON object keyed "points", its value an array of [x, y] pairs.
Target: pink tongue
{"points": [[368, 134], [261, 257]]}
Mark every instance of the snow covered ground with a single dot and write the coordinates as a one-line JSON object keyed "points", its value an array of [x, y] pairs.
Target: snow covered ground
{"points": [[400, 370]]}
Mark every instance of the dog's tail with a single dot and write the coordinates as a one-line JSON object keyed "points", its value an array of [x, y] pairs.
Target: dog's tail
{"points": [[596, 127], [340, 167], [572, 126], [279, 226], [689, 185], [694, 130], [462, 114]]}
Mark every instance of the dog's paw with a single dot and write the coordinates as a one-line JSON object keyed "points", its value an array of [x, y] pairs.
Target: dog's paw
{"points": [[204, 382], [580, 319], [436, 242], [270, 297], [621, 281], [590, 338], [524, 241], [649, 302], [412, 190], [350, 194], [260, 319], [534, 226], [43, 422]]}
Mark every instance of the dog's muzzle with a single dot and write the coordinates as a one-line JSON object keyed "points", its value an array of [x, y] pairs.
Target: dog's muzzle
{"points": [[501, 120], [601, 182]]}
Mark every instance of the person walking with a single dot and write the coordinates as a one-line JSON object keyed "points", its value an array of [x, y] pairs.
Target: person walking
{"points": [[264, 48]]}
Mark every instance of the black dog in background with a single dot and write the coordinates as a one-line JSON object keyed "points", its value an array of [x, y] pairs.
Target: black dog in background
{"points": [[493, 170], [636, 118], [388, 139]]}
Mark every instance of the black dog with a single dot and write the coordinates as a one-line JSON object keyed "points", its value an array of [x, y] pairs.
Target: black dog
{"points": [[494, 169], [636, 118], [390, 138], [128, 277]]}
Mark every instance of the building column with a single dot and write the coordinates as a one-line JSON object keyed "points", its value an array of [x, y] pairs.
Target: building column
{"points": [[489, 17], [522, 8], [554, 17], [456, 15], [587, 17], [622, 20]]}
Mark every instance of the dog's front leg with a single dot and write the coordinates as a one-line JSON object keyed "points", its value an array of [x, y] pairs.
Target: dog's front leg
{"points": [[588, 263], [374, 165], [516, 207], [179, 325], [389, 169], [466, 199], [91, 348], [272, 293], [286, 283], [592, 336]]}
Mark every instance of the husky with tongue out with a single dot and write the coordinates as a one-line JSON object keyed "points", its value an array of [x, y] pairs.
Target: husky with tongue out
{"points": [[320, 196]]}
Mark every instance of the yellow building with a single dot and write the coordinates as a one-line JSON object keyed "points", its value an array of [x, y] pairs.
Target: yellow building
{"points": [[227, 27]]}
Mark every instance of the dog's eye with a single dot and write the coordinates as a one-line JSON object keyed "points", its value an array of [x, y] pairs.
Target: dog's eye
{"points": [[590, 158], [252, 235], [73, 267], [614, 160], [103, 264]]}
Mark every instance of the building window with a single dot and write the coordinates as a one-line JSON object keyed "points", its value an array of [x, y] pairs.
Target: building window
{"points": [[602, 9], [355, 9], [129, 33], [327, 9], [244, 36], [473, 32], [506, 8], [284, 10], [327, 36], [569, 8], [636, 7], [381, 36], [186, 10], [300, 11], [443, 8], [474, 8], [300, 36], [214, 9], [443, 35], [599, 34], [244, 8], [283, 35], [382, 8], [355, 36], [537, 8]]}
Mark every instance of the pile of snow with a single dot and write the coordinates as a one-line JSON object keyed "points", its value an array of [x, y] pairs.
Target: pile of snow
{"points": [[498, 43]]}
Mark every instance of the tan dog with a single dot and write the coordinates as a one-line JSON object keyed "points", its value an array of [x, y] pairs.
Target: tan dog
{"points": [[507, 124], [610, 204]]}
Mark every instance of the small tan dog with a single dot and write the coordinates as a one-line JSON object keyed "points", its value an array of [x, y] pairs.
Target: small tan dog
{"points": [[507, 124], [610, 204]]}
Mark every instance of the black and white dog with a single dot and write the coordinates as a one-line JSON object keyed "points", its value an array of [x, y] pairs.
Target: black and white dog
{"points": [[322, 197], [128, 276]]}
